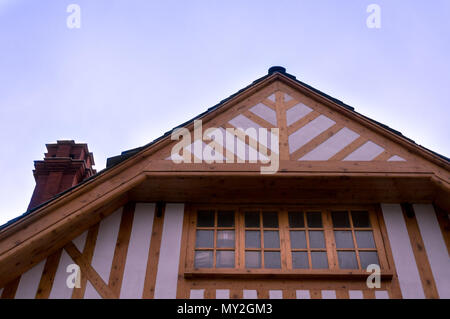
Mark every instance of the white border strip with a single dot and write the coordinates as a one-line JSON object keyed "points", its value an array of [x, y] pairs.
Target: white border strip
{"points": [[408, 275]]}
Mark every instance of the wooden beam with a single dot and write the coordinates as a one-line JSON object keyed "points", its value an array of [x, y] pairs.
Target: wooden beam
{"points": [[88, 253], [302, 122], [48, 275], [93, 277], [319, 139], [9, 292], [153, 256], [349, 149], [120, 252], [420, 255]]}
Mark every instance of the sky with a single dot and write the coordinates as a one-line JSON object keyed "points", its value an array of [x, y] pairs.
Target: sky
{"points": [[137, 68]]}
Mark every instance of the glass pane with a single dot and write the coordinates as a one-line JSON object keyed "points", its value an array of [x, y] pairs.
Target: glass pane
{"points": [[344, 239], [298, 239], [316, 239], [319, 260], [253, 259], [340, 219], [296, 220], [347, 260], [364, 239], [225, 218], [225, 238], [203, 259], [314, 219], [271, 239], [272, 259], [367, 258], [360, 219], [204, 239], [252, 239], [252, 219], [205, 218], [270, 219], [300, 260], [224, 259]]}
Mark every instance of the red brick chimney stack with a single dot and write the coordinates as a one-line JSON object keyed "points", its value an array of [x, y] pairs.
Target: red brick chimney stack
{"points": [[65, 165]]}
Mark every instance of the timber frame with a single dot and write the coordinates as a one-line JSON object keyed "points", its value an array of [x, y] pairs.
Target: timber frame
{"points": [[146, 176]]}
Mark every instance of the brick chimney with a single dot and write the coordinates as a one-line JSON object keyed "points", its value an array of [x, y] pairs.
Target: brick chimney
{"points": [[65, 164]]}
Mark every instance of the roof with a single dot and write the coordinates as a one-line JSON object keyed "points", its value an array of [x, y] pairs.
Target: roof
{"points": [[113, 161]]}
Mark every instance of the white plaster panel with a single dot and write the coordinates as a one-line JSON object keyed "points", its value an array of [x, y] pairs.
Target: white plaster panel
{"points": [[405, 263], [243, 122], [275, 294], [197, 294], [331, 146], [308, 132], [90, 292], [250, 294], [435, 247], [381, 294], [396, 158], [297, 112], [59, 287], [328, 294], [287, 97], [80, 241], [137, 254], [222, 294], [366, 152], [265, 112], [302, 294], [169, 256], [355, 294], [29, 282], [106, 244], [271, 97]]}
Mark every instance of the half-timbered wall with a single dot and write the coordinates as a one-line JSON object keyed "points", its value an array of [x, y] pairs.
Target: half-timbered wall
{"points": [[133, 253]]}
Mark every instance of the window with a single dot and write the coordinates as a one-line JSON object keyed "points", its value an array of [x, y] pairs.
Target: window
{"points": [[288, 240]]}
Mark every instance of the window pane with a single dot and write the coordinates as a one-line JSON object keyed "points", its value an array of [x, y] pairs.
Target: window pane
{"points": [[314, 219], [271, 239], [300, 260], [347, 260], [344, 239], [253, 259], [203, 259], [364, 239], [225, 218], [205, 218], [204, 239], [270, 219], [225, 238], [340, 219], [298, 239], [319, 260], [316, 239], [224, 259], [360, 219], [296, 220], [367, 258], [272, 259], [252, 219], [252, 239]]}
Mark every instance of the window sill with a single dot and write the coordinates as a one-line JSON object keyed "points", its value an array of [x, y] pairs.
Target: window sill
{"points": [[337, 274]]}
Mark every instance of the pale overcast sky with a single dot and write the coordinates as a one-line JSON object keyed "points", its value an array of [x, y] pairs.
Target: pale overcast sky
{"points": [[136, 69]]}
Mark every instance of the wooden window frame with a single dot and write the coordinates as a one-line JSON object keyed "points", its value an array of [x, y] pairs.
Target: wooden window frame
{"points": [[286, 270]]}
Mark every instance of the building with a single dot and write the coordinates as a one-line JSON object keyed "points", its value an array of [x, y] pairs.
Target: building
{"points": [[297, 211]]}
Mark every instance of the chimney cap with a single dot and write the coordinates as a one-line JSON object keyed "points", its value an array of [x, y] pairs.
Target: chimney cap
{"points": [[279, 69]]}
